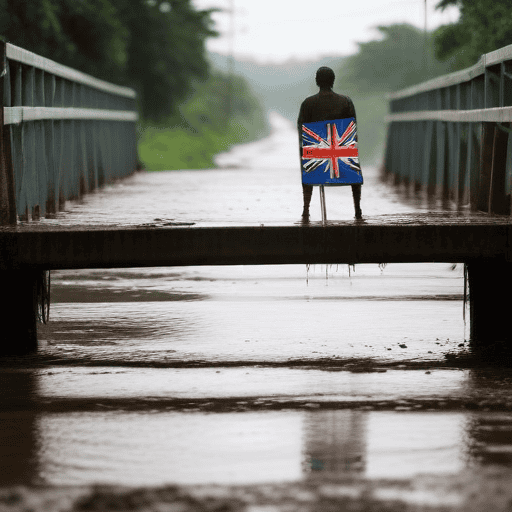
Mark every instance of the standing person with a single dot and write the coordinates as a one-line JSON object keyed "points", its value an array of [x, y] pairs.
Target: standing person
{"points": [[326, 105]]}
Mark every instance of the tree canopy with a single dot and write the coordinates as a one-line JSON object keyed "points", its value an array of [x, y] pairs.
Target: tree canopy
{"points": [[155, 46], [402, 57], [483, 26]]}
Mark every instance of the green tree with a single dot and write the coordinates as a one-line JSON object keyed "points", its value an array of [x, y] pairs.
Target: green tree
{"points": [[155, 46], [87, 35], [402, 57], [166, 51], [483, 26]]}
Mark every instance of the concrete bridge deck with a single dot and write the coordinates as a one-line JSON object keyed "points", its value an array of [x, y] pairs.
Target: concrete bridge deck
{"points": [[428, 237]]}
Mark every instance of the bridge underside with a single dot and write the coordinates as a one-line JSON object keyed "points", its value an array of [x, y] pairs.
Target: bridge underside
{"points": [[483, 242]]}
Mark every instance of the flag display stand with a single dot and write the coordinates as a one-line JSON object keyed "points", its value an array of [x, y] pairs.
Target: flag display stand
{"points": [[322, 205]]}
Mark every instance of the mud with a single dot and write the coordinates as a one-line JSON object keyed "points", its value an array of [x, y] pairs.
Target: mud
{"points": [[487, 490]]}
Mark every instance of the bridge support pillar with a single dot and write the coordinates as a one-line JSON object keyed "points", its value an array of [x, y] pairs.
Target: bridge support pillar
{"points": [[19, 312], [490, 288]]}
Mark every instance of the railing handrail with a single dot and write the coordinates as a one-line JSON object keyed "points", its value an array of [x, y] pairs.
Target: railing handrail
{"points": [[457, 77], [477, 115], [16, 115], [23, 56]]}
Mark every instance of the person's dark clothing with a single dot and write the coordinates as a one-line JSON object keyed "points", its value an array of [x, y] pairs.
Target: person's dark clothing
{"points": [[326, 105]]}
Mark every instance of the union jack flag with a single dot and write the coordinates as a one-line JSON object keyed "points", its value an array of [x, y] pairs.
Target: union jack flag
{"points": [[325, 151]]}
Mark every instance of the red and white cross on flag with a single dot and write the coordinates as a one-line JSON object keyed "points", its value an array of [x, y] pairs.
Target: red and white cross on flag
{"points": [[330, 149]]}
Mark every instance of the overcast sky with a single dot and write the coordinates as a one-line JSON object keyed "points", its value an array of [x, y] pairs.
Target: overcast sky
{"points": [[276, 30]]}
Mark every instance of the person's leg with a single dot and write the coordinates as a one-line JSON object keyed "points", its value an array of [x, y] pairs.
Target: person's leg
{"points": [[356, 195], [307, 192]]}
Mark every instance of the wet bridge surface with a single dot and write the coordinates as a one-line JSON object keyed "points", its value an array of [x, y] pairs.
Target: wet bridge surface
{"points": [[399, 238]]}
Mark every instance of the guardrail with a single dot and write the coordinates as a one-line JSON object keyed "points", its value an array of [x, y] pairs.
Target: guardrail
{"points": [[62, 133], [450, 136]]}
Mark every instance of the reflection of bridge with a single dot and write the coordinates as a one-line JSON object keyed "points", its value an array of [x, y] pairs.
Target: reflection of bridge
{"points": [[64, 133], [335, 442]]}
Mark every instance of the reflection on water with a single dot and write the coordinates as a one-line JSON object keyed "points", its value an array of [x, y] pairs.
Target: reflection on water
{"points": [[335, 441], [171, 447], [156, 448], [20, 436], [401, 445], [491, 438], [60, 426]]}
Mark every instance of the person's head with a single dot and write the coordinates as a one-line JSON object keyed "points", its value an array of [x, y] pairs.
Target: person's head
{"points": [[325, 77]]}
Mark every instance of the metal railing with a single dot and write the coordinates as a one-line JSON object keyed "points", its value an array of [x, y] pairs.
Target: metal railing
{"points": [[450, 136], [62, 133]]}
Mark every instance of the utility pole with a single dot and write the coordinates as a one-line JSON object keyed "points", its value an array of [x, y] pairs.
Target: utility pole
{"points": [[231, 59], [425, 43]]}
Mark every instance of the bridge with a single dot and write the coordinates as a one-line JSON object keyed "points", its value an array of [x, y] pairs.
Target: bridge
{"points": [[64, 133]]}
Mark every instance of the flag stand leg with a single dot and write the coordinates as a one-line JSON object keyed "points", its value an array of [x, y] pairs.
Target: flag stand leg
{"points": [[322, 205]]}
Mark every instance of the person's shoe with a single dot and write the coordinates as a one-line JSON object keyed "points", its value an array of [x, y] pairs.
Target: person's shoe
{"points": [[305, 216], [359, 214]]}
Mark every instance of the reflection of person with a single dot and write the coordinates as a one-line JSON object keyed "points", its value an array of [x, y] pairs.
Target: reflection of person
{"points": [[324, 106]]}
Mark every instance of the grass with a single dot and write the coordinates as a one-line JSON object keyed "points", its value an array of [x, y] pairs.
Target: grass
{"points": [[179, 148]]}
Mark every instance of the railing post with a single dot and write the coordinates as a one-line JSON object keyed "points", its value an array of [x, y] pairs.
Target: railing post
{"points": [[484, 178], [7, 194], [50, 152], [474, 148], [499, 200]]}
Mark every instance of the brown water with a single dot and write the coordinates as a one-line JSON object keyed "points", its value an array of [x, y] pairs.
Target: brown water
{"points": [[250, 373]]}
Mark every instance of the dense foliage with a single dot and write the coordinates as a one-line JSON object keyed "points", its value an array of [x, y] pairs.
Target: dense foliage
{"points": [[403, 56], [220, 112], [155, 46], [483, 26]]}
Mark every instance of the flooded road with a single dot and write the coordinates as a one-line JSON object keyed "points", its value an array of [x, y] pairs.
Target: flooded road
{"points": [[250, 374]]}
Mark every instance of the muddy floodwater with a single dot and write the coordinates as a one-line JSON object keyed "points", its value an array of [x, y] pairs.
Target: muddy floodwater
{"points": [[245, 375]]}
